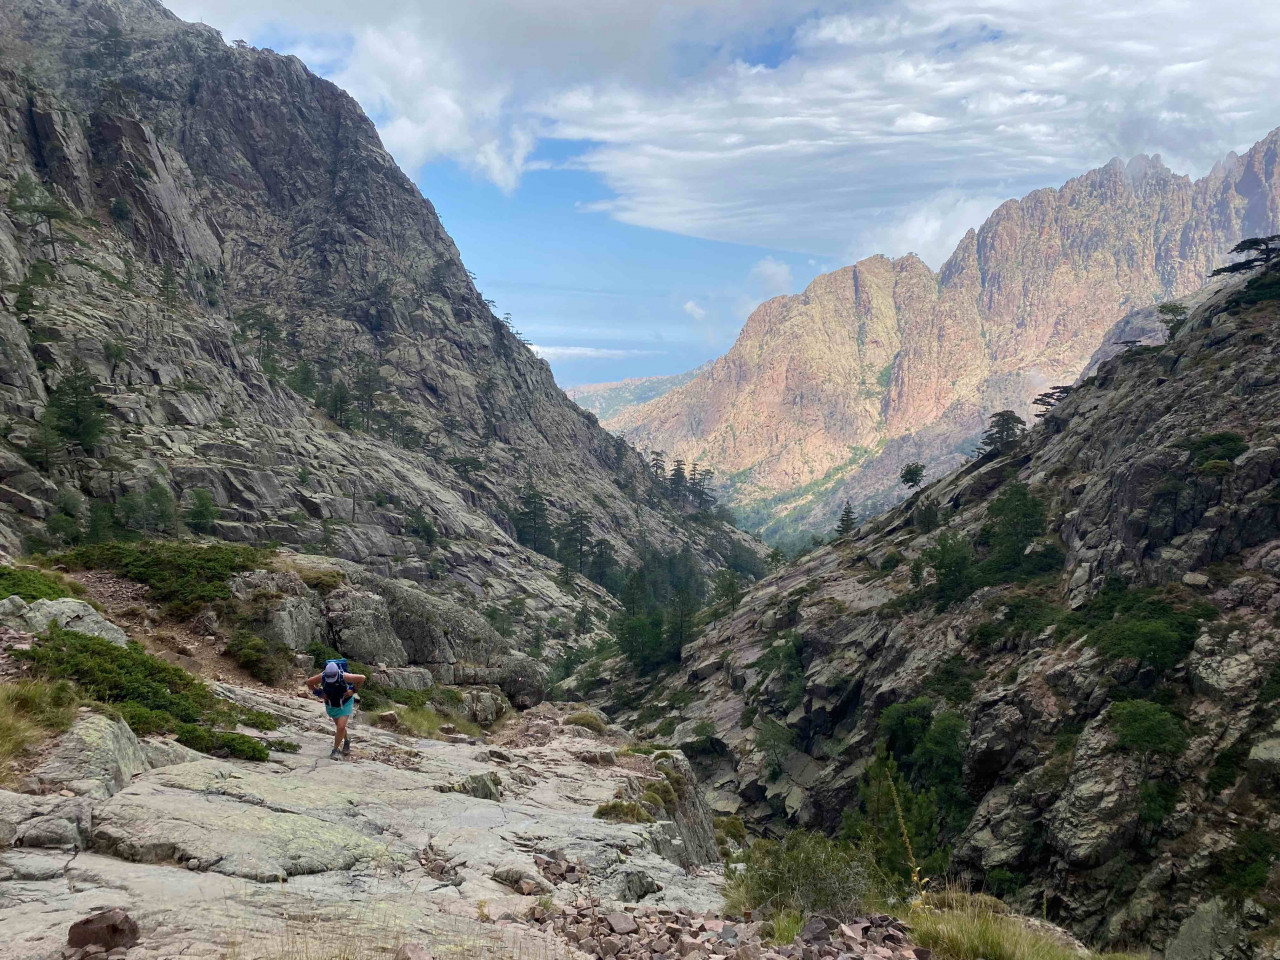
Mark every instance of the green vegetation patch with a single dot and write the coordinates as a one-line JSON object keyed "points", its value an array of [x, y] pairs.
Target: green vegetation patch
{"points": [[805, 872], [30, 585], [184, 576], [152, 695], [265, 660], [1214, 446], [953, 681], [623, 811], [1144, 624], [1242, 869], [586, 720], [1145, 727], [30, 711]]}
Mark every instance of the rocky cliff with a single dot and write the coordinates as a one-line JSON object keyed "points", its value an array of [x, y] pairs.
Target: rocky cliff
{"points": [[1064, 656], [269, 310], [826, 394]]}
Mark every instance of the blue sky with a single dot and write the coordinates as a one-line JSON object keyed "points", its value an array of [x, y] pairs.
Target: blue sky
{"points": [[628, 179]]}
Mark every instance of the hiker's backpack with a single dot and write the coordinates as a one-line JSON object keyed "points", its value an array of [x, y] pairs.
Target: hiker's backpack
{"points": [[335, 694]]}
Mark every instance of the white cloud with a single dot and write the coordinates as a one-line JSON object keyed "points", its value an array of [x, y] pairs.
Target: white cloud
{"points": [[805, 126], [589, 353], [773, 277], [695, 311], [928, 228]]}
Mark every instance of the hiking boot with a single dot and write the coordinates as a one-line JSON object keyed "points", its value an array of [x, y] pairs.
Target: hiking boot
{"points": [[335, 754], [346, 746]]}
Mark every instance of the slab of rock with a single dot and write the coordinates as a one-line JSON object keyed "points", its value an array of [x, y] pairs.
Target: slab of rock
{"points": [[95, 758], [165, 753], [621, 923], [108, 930], [68, 614]]}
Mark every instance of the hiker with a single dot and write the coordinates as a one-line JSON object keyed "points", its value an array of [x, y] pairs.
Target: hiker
{"points": [[338, 690]]}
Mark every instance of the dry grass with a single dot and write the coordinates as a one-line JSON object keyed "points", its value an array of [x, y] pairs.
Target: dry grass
{"points": [[975, 930], [30, 712], [425, 722]]}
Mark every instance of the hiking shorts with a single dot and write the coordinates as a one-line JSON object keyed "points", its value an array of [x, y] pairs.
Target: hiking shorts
{"points": [[346, 710]]}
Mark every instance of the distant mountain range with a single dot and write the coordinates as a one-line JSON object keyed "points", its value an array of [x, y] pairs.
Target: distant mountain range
{"points": [[607, 400], [827, 393]]}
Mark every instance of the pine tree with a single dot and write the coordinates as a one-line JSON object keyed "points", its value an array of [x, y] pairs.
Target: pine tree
{"points": [[678, 482], [368, 382], [32, 204], [78, 412], [533, 529], [847, 522], [574, 536], [203, 512], [169, 285], [1003, 432], [338, 403], [658, 467]]}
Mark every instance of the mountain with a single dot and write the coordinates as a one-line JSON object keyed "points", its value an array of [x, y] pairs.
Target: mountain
{"points": [[215, 242], [825, 394], [1064, 656], [608, 400]]}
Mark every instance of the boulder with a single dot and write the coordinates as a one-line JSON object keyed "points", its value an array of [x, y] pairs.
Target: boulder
{"points": [[514, 873], [360, 627], [1208, 934], [95, 758], [68, 614], [483, 706], [165, 753], [109, 929], [405, 678], [282, 606]]}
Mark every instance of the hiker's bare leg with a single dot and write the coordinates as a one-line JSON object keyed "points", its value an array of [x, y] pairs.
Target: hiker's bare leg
{"points": [[339, 732]]}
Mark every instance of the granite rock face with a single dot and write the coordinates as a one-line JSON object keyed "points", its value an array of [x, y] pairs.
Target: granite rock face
{"points": [[296, 253], [887, 361], [1124, 841]]}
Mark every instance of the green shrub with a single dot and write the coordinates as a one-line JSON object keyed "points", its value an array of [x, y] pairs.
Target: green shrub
{"points": [[1158, 802], [953, 681], [733, 828], [266, 661], [1214, 446], [667, 727], [1140, 624], [1226, 769], [588, 720], [805, 871], [892, 560], [30, 585], [260, 720], [322, 581], [704, 729], [623, 811], [206, 740], [776, 743], [1004, 883], [282, 746], [1214, 468], [152, 695], [1145, 727], [1242, 869], [183, 576]]}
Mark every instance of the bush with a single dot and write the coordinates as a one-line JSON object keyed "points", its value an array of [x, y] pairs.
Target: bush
{"points": [[1140, 624], [588, 720], [1158, 801], [260, 720], [1145, 727], [183, 576], [623, 811], [1003, 883], [203, 512], [152, 695], [805, 872], [221, 741], [30, 585], [1214, 446], [322, 581], [733, 828], [265, 661], [892, 560], [1226, 769], [953, 681], [776, 743], [1243, 868]]}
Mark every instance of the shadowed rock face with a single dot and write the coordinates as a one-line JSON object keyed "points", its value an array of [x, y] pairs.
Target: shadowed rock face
{"points": [[265, 187], [1058, 801], [887, 351]]}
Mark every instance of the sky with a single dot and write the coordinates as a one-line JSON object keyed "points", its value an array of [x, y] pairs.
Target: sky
{"points": [[630, 178]]}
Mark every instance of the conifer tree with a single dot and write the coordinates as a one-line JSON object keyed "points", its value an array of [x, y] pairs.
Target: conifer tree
{"points": [[169, 285], [78, 412], [1003, 432], [847, 522], [678, 482]]}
